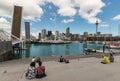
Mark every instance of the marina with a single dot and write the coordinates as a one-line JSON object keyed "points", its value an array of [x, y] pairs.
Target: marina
{"points": [[45, 50], [59, 40]]}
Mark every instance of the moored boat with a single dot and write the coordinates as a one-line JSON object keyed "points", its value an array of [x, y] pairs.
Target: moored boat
{"points": [[115, 45]]}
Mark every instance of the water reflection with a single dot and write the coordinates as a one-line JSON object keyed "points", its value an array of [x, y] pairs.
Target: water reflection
{"points": [[27, 51], [53, 49], [67, 49]]}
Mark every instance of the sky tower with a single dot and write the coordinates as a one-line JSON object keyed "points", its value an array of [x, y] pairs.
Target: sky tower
{"points": [[96, 26]]}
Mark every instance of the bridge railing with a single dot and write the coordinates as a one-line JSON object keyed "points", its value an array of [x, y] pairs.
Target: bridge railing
{"points": [[13, 38]]}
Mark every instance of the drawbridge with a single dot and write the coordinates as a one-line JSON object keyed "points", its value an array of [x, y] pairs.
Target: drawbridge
{"points": [[6, 36]]}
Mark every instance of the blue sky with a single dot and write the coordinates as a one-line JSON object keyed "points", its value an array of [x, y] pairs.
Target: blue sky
{"points": [[79, 15]]}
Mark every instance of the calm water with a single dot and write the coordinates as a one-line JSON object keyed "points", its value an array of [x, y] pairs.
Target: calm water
{"points": [[54, 49]]}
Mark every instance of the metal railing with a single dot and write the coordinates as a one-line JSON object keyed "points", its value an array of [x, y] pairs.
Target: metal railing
{"points": [[4, 36]]}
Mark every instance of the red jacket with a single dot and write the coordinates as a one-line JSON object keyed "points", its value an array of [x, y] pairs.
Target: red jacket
{"points": [[40, 70]]}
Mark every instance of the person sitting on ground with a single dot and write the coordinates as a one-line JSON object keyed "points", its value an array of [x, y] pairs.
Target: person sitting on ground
{"points": [[87, 53], [105, 60], [66, 61], [31, 73], [111, 58], [40, 71], [61, 59]]}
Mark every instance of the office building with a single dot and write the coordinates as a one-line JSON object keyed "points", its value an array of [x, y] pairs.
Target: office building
{"points": [[49, 33], [39, 36], [27, 30], [67, 32], [43, 34]]}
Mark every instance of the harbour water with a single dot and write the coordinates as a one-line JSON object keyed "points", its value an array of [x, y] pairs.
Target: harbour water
{"points": [[38, 50]]}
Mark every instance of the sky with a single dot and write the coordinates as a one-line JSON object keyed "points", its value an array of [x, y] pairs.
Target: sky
{"points": [[79, 15]]}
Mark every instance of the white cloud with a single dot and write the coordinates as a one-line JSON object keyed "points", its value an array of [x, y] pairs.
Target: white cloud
{"points": [[66, 7], [4, 24], [89, 9], [35, 34], [116, 18], [31, 8], [3, 21], [67, 11], [6, 8], [67, 21]]}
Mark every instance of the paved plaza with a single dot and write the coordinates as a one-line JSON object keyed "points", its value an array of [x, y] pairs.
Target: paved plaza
{"points": [[83, 69]]}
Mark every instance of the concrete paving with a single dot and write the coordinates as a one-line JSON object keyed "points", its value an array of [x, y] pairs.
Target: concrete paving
{"points": [[83, 69]]}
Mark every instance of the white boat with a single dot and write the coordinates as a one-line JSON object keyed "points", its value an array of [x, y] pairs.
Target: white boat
{"points": [[115, 45]]}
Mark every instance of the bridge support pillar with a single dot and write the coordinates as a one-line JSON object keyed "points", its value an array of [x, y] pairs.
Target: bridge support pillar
{"points": [[17, 49]]}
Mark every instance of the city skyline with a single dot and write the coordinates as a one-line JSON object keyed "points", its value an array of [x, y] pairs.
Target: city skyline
{"points": [[80, 16]]}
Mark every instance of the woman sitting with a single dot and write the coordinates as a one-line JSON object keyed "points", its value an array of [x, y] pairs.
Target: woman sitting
{"points": [[31, 73], [40, 71]]}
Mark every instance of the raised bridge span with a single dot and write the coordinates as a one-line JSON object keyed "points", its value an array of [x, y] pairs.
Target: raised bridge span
{"points": [[6, 36]]}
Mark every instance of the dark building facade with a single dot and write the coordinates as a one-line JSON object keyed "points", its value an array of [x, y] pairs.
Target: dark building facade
{"points": [[39, 37], [49, 33], [43, 34], [16, 22], [27, 30], [67, 32]]}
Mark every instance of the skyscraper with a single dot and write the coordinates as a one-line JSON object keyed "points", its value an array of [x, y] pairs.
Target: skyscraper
{"points": [[57, 33], [16, 22], [67, 32], [49, 33], [39, 37], [27, 30], [43, 34]]}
